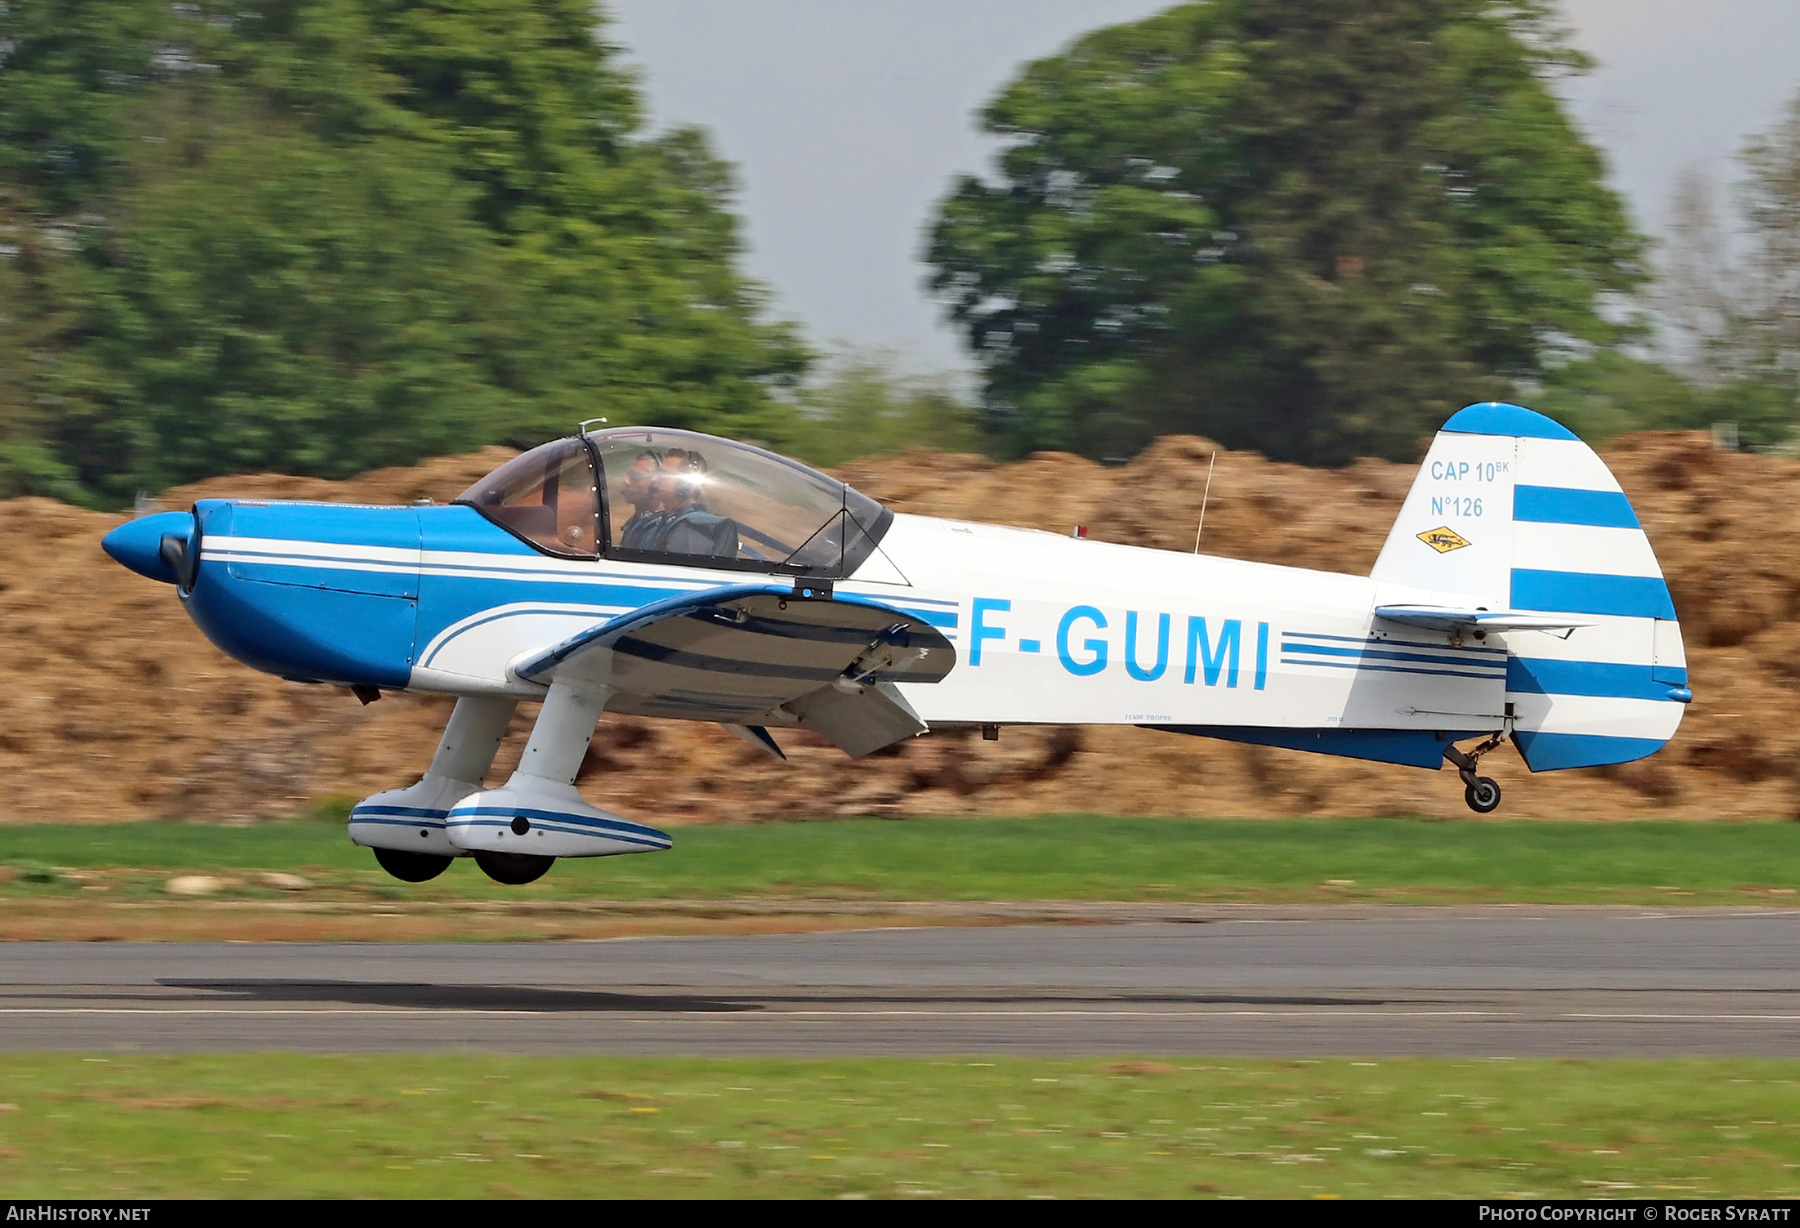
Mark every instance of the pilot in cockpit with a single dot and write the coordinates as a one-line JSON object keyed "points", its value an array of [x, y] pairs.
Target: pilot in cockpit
{"points": [[638, 488]]}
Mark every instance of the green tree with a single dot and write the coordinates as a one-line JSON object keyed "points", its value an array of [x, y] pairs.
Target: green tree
{"points": [[626, 247], [29, 464], [1614, 392], [284, 305], [1313, 229], [320, 235], [1736, 305], [862, 402], [70, 72]]}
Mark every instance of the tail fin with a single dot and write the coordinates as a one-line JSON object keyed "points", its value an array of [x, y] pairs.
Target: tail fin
{"points": [[1511, 511]]}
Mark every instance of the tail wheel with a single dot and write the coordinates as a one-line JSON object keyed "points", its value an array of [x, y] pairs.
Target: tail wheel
{"points": [[412, 867], [513, 869], [1483, 796]]}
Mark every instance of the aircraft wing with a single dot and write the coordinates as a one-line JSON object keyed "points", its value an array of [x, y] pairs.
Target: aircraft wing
{"points": [[747, 655], [1444, 618]]}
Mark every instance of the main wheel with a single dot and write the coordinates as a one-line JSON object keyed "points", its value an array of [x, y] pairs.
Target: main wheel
{"points": [[412, 867], [1482, 796], [513, 869]]}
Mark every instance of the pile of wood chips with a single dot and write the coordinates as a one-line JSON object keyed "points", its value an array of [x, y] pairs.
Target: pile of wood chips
{"points": [[117, 708]]}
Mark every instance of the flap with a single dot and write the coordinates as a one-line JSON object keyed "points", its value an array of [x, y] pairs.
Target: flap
{"points": [[740, 651], [1445, 618], [859, 718]]}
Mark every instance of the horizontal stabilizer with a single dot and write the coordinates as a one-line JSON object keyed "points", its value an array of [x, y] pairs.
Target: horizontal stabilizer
{"points": [[1444, 618]]}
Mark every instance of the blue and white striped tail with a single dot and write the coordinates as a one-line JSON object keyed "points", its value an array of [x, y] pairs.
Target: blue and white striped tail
{"points": [[1512, 509]]}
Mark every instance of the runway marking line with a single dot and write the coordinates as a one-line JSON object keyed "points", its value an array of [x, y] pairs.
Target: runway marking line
{"points": [[1661, 1018], [478, 1010], [891, 1014]]}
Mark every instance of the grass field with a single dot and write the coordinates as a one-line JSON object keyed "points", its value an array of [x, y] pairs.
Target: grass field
{"points": [[1064, 857], [278, 1126], [478, 1125]]}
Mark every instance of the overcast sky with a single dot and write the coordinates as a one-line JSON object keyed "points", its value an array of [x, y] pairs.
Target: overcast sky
{"points": [[847, 119]]}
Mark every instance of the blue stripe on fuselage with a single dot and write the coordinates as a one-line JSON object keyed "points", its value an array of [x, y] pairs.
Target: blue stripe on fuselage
{"points": [[1374, 653], [1390, 642], [303, 610]]}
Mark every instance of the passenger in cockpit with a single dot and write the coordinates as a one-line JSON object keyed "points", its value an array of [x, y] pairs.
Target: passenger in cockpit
{"points": [[688, 526]]}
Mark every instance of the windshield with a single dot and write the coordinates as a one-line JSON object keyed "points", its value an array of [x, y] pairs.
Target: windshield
{"points": [[547, 496], [681, 497], [677, 497]]}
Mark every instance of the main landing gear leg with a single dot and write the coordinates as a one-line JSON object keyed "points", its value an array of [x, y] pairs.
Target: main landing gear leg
{"points": [[517, 830], [497, 826], [405, 827], [1481, 793]]}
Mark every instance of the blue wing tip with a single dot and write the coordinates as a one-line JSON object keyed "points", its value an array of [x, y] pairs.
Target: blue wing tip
{"points": [[1500, 418]]}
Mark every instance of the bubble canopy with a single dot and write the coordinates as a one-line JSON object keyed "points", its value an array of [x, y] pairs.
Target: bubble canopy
{"points": [[649, 494]]}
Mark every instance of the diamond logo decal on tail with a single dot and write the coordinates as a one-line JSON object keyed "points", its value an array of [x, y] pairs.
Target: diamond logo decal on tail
{"points": [[1444, 540]]}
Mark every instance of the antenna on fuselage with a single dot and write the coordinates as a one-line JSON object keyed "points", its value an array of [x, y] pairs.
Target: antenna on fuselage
{"points": [[581, 428], [1204, 495]]}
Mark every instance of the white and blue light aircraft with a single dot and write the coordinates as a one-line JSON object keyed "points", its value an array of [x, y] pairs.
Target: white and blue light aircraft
{"points": [[668, 574]]}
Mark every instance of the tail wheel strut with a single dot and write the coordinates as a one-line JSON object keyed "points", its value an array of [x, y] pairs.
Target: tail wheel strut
{"points": [[1481, 793]]}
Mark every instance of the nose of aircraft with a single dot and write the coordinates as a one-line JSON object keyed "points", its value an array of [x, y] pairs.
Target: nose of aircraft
{"points": [[138, 544]]}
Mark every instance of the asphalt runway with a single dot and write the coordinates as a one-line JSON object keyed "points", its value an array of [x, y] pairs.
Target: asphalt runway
{"points": [[1549, 982]]}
